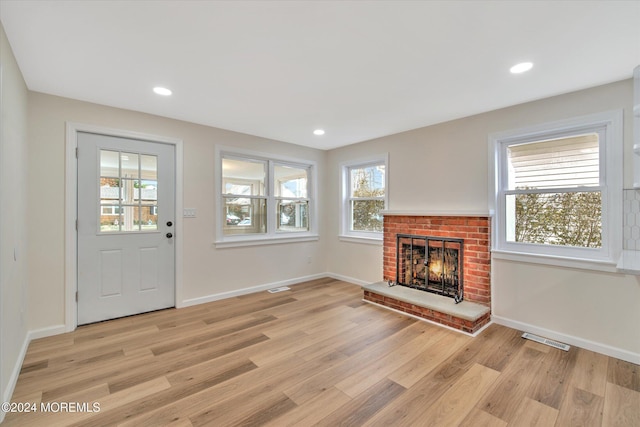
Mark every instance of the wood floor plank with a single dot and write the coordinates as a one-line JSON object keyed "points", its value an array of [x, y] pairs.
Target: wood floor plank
{"points": [[313, 411], [315, 355], [453, 406], [624, 374], [581, 408], [535, 414], [362, 408], [590, 372], [621, 406], [479, 418], [550, 385], [513, 385], [444, 344], [371, 373]]}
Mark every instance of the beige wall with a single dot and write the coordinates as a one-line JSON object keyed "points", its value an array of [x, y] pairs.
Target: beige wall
{"points": [[445, 168], [207, 271], [13, 214]]}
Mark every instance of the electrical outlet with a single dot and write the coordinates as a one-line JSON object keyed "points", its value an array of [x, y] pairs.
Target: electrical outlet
{"points": [[189, 212]]}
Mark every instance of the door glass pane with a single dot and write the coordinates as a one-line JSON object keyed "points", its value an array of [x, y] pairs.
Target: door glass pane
{"points": [[148, 192], [130, 218], [110, 219], [149, 217], [128, 192], [109, 190], [129, 165], [109, 165], [148, 167]]}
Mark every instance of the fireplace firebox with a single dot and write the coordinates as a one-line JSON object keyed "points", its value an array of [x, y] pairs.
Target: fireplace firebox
{"points": [[431, 264]]}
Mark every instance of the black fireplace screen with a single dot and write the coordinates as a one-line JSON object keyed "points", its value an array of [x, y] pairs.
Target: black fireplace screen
{"points": [[432, 264]]}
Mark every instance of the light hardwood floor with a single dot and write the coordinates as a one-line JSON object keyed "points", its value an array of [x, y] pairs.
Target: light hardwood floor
{"points": [[316, 355]]}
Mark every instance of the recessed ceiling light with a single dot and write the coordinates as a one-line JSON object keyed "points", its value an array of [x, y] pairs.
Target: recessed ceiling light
{"points": [[318, 132], [521, 67], [162, 91]]}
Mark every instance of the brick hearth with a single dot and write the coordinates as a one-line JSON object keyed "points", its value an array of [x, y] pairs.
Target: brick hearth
{"points": [[475, 230]]}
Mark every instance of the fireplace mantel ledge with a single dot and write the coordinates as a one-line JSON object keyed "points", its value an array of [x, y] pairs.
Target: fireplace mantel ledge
{"points": [[435, 213]]}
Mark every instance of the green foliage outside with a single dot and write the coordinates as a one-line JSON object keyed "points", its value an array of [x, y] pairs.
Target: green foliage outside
{"points": [[366, 213], [567, 219]]}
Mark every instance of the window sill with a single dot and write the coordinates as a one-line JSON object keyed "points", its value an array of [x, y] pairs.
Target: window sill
{"points": [[557, 261], [261, 241], [377, 241], [629, 262]]}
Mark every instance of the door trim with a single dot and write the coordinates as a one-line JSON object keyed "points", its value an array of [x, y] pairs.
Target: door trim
{"points": [[71, 209]]}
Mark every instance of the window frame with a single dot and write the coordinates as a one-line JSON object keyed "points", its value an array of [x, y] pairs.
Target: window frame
{"points": [[346, 234], [608, 125], [272, 234]]}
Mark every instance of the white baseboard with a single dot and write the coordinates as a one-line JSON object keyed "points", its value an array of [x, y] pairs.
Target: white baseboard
{"points": [[31, 335], [245, 291], [46, 332], [347, 279], [15, 372], [569, 339]]}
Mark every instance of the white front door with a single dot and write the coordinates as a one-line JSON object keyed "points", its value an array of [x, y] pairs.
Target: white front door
{"points": [[126, 210]]}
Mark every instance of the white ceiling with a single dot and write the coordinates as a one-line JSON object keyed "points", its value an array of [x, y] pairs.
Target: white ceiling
{"points": [[358, 69]]}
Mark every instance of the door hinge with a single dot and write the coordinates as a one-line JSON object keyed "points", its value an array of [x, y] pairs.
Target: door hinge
{"points": [[76, 152], [76, 225], [76, 296]]}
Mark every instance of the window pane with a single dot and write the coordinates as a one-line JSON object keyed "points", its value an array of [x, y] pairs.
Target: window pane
{"points": [[244, 215], [567, 219], [129, 165], [290, 182], [149, 167], [147, 193], [367, 181], [109, 190], [366, 215], [565, 162], [110, 218], [109, 165], [293, 215], [243, 177], [130, 218], [149, 218], [129, 192]]}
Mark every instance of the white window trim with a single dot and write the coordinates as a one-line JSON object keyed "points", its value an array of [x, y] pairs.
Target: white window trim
{"points": [[273, 235], [611, 158], [345, 234]]}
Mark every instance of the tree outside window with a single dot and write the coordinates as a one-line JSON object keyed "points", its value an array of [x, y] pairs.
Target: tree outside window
{"points": [[367, 197]]}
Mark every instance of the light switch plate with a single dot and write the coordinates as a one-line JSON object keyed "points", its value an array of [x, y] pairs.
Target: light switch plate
{"points": [[189, 212]]}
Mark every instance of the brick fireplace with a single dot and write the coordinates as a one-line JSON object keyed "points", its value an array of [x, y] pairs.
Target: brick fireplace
{"points": [[474, 234]]}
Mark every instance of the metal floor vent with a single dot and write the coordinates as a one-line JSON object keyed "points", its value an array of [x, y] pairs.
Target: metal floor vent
{"points": [[546, 341], [280, 289]]}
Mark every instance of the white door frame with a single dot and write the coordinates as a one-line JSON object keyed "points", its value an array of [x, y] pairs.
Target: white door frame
{"points": [[71, 209]]}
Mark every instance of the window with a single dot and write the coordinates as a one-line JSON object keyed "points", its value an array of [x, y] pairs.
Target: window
{"points": [[128, 192], [364, 197], [557, 189], [263, 198]]}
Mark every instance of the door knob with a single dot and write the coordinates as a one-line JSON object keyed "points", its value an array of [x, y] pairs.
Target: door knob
{"points": [[169, 223], [169, 235]]}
